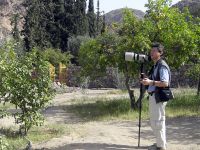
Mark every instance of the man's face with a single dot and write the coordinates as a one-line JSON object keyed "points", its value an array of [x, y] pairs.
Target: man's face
{"points": [[155, 54]]}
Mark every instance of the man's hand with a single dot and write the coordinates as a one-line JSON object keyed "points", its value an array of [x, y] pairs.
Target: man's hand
{"points": [[146, 81], [143, 75]]}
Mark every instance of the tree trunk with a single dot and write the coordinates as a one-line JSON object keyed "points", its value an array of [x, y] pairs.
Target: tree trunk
{"points": [[130, 92]]}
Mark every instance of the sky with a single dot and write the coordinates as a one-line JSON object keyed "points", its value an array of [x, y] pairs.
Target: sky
{"points": [[108, 5]]}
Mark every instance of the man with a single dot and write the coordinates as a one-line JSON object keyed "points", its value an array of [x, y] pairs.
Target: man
{"points": [[159, 77]]}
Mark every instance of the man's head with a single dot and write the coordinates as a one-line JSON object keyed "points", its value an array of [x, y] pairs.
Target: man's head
{"points": [[156, 51]]}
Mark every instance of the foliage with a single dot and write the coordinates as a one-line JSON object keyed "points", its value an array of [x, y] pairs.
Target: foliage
{"points": [[74, 44], [3, 143], [25, 82], [15, 30], [36, 135], [96, 54], [81, 18], [98, 18], [108, 50], [132, 39], [38, 20], [177, 31], [194, 70], [174, 29], [56, 56], [50, 24], [91, 19]]}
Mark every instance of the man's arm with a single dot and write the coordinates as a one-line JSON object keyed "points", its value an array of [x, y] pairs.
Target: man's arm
{"points": [[164, 79]]}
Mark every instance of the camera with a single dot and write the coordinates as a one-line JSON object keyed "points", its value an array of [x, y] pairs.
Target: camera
{"points": [[130, 56]]}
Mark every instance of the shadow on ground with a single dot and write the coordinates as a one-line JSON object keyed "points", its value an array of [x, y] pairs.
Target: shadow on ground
{"points": [[181, 130], [98, 146]]}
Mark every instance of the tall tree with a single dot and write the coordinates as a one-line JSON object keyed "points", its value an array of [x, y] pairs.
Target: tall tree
{"points": [[98, 18], [80, 17], [50, 24], [15, 30], [30, 23], [35, 26], [103, 28], [62, 33], [69, 16], [91, 19]]}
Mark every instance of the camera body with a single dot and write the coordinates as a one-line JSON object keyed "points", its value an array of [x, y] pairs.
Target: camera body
{"points": [[131, 56]]}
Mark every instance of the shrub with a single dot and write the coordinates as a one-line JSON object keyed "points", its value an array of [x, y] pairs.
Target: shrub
{"points": [[25, 82]]}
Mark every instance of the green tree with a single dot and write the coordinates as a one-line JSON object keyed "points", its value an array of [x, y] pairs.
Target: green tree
{"points": [[80, 17], [55, 56], [194, 60], [175, 30], [62, 33], [74, 44], [100, 21], [172, 28], [15, 23], [108, 51], [25, 82], [49, 24], [103, 28], [98, 18], [91, 19], [70, 16], [35, 25], [29, 22], [178, 31]]}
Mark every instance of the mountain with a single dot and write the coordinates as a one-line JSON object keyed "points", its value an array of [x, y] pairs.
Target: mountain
{"points": [[10, 7], [116, 15], [193, 6]]}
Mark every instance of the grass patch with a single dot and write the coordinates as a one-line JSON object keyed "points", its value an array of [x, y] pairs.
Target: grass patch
{"points": [[36, 134], [6, 106], [117, 92], [107, 109], [186, 103]]}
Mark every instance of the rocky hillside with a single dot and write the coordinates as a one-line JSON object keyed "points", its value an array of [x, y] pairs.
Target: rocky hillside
{"points": [[193, 5], [7, 9], [116, 15]]}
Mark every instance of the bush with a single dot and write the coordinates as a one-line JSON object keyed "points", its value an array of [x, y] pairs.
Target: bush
{"points": [[74, 44], [25, 82]]}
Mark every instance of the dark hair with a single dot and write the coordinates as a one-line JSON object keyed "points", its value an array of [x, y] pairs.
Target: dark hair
{"points": [[159, 46]]}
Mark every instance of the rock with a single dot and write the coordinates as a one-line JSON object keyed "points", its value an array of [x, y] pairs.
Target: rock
{"points": [[7, 9]]}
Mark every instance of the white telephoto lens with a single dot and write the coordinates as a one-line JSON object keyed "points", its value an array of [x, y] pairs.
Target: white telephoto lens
{"points": [[142, 57], [129, 56]]}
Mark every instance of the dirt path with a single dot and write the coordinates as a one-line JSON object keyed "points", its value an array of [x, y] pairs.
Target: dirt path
{"points": [[182, 133]]}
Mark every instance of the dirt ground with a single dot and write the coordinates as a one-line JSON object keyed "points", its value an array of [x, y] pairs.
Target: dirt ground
{"points": [[182, 133]]}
